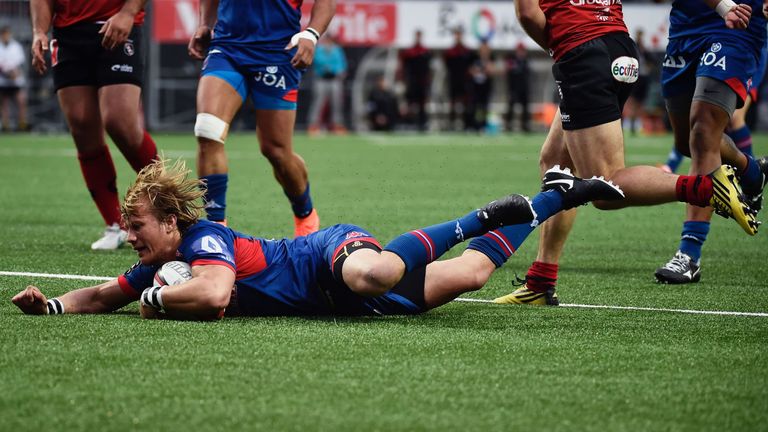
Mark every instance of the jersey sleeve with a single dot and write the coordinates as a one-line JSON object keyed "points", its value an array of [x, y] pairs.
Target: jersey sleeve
{"points": [[136, 279], [207, 243]]}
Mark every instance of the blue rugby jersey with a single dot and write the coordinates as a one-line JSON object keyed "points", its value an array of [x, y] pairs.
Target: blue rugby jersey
{"points": [[276, 277], [257, 31], [695, 18]]}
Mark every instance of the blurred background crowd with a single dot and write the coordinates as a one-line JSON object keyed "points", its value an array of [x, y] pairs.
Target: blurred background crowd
{"points": [[385, 65]]}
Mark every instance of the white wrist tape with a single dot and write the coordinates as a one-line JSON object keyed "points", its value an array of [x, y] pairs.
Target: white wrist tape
{"points": [[309, 33], [724, 7], [55, 307], [153, 296]]}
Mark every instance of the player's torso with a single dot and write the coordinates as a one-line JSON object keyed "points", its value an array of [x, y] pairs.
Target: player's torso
{"points": [[573, 22], [69, 12], [257, 31], [690, 18]]}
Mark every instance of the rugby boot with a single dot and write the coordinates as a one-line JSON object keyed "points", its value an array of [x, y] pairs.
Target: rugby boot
{"points": [[754, 193], [680, 269], [113, 238], [523, 295], [511, 210], [577, 191], [306, 225], [729, 201]]}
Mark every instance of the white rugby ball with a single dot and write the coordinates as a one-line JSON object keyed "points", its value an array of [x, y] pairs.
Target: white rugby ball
{"points": [[172, 273]]}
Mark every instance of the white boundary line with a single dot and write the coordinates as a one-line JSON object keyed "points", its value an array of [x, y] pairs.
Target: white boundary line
{"points": [[467, 300]]}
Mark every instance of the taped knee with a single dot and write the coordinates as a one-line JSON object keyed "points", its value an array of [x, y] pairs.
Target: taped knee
{"points": [[210, 127]]}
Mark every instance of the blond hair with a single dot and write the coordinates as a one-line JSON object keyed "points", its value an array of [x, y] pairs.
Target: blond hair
{"points": [[168, 190]]}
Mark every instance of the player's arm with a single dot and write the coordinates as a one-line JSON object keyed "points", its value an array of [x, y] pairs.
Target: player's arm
{"points": [[322, 13], [205, 296], [106, 297], [736, 16], [41, 13], [533, 20], [201, 38], [118, 27]]}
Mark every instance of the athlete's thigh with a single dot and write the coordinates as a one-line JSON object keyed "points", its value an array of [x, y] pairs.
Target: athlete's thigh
{"points": [[120, 101], [730, 61], [275, 128], [80, 105], [124, 64], [222, 87], [598, 150]]}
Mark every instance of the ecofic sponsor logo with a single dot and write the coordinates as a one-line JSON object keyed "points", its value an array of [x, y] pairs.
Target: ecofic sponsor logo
{"points": [[122, 68], [625, 69]]}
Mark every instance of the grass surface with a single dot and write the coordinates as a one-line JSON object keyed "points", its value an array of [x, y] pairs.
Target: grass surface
{"points": [[465, 366]]}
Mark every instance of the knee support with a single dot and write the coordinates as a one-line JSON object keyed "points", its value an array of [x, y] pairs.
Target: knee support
{"points": [[210, 127]]}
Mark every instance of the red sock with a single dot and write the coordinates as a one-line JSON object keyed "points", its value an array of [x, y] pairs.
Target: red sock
{"points": [[145, 154], [541, 276], [696, 190], [101, 179]]}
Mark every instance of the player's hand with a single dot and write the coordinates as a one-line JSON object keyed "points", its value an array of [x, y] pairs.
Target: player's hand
{"points": [[150, 312], [738, 17], [39, 47], [305, 53], [116, 30], [31, 301], [198, 44]]}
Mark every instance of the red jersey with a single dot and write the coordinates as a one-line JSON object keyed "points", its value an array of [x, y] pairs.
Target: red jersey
{"points": [[570, 23], [69, 12]]}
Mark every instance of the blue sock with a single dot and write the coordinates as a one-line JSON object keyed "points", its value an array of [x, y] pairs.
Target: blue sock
{"points": [[742, 137], [674, 159], [216, 196], [751, 178], [693, 237], [498, 245], [302, 204], [422, 246]]}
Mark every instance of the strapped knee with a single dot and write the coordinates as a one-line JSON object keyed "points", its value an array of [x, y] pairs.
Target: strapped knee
{"points": [[210, 127]]}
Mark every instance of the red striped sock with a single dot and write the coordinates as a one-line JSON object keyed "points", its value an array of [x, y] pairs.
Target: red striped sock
{"points": [[145, 154], [541, 276], [101, 179], [696, 190]]}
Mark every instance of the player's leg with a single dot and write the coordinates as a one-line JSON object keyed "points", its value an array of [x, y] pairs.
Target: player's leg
{"points": [[119, 77], [541, 277], [81, 110], [371, 273], [738, 129], [275, 132], [319, 98], [120, 108], [220, 94], [5, 110], [21, 109]]}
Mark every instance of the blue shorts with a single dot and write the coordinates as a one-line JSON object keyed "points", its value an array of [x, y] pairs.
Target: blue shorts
{"points": [[716, 56], [270, 87], [327, 244]]}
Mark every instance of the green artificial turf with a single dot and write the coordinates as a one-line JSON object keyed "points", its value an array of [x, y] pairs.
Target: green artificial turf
{"points": [[465, 366]]}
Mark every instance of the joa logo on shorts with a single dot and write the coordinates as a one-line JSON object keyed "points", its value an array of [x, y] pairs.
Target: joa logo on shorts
{"points": [[269, 78], [711, 58], [625, 69]]}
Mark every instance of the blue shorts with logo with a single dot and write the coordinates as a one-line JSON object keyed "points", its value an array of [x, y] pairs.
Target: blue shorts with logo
{"points": [[270, 86], [716, 55]]}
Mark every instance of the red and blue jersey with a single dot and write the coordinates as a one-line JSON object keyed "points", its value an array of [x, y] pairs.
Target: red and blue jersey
{"points": [[277, 277], [257, 31]]}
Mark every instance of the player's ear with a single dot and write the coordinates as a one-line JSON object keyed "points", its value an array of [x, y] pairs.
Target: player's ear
{"points": [[170, 223]]}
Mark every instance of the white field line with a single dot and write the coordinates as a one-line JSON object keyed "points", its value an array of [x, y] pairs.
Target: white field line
{"points": [[467, 300]]}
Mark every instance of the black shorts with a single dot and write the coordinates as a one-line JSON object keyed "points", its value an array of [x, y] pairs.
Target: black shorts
{"points": [[9, 91], [78, 59], [595, 79]]}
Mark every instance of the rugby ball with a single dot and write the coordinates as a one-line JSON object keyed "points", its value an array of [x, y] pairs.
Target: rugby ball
{"points": [[172, 273]]}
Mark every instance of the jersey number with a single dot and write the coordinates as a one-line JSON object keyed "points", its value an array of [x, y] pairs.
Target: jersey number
{"points": [[210, 245]]}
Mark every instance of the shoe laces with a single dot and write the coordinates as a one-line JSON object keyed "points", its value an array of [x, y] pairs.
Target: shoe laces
{"points": [[518, 281], [679, 263]]}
